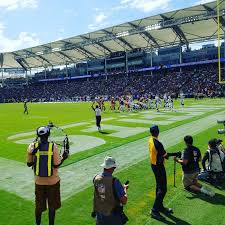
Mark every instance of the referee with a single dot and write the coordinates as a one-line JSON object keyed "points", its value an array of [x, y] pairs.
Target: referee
{"points": [[157, 157], [98, 113]]}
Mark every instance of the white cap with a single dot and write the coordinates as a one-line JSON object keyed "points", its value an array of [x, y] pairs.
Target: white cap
{"points": [[109, 162], [42, 131]]}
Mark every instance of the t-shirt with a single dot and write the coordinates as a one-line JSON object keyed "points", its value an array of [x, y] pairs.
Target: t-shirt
{"points": [[56, 161], [193, 155], [156, 151], [98, 112]]}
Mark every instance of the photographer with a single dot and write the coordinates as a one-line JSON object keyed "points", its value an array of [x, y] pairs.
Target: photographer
{"points": [[190, 166], [157, 157], [215, 158], [43, 156], [109, 196]]}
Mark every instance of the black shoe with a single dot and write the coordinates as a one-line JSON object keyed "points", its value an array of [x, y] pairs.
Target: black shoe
{"points": [[167, 210], [156, 215]]}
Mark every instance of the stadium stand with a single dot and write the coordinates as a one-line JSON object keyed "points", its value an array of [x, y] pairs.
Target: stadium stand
{"points": [[192, 81]]}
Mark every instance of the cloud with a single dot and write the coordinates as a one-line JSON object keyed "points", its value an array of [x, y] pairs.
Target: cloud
{"points": [[11, 5], [23, 40], [99, 21], [202, 2], [145, 6]]}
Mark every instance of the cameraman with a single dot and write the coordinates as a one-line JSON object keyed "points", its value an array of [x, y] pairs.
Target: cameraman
{"points": [[190, 165], [109, 196], [157, 157], [43, 156], [215, 158]]}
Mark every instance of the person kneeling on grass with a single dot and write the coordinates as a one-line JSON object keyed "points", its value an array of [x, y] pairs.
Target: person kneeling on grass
{"points": [[214, 171], [190, 165]]}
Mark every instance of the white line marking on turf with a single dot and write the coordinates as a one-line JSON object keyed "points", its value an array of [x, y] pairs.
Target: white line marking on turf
{"points": [[78, 143], [33, 132], [149, 122], [17, 178], [121, 132]]}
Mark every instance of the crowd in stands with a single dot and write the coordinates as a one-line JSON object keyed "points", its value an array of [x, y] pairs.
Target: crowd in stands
{"points": [[191, 81]]}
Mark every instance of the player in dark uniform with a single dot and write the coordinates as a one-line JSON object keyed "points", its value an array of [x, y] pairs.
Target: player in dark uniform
{"points": [[113, 104], [25, 108]]}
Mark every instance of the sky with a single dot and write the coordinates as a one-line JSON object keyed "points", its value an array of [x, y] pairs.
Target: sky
{"points": [[27, 23]]}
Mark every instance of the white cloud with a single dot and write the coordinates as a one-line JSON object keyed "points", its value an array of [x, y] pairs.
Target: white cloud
{"points": [[100, 17], [18, 4], [144, 5], [99, 21], [23, 40], [202, 2]]}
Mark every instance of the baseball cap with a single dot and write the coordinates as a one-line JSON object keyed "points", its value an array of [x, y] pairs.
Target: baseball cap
{"points": [[212, 143], [154, 128], [43, 131], [109, 162]]}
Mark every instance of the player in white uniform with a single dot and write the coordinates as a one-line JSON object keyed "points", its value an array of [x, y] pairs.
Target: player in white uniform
{"points": [[165, 101], [157, 102], [182, 97], [150, 102], [170, 103]]}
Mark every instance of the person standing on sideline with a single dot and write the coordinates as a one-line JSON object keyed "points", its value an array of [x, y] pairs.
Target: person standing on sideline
{"points": [[25, 107], [158, 155], [109, 196], [98, 116], [43, 156]]}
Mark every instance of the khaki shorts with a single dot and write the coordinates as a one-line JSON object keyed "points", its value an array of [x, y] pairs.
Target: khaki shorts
{"points": [[47, 193], [190, 179]]}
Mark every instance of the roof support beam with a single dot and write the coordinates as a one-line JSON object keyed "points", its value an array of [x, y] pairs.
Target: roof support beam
{"points": [[66, 56], [99, 44], [177, 31], [147, 35], [38, 56], [120, 39], [222, 20], [88, 52], [22, 62], [60, 53]]}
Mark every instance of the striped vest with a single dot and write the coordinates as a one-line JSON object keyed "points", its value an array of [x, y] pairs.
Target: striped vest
{"points": [[43, 159]]}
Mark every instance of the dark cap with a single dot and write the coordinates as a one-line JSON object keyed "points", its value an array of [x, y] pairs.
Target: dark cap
{"points": [[154, 128], [212, 143]]}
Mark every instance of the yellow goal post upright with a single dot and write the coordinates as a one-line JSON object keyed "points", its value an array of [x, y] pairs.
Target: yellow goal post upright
{"points": [[221, 81]]}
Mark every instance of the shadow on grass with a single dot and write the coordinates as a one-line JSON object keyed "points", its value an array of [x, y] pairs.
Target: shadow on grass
{"points": [[104, 132], [174, 220], [218, 199]]}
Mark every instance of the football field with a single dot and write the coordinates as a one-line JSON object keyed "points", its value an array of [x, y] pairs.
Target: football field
{"points": [[124, 137]]}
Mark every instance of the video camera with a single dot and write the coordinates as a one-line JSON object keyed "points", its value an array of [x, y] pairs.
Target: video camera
{"points": [[221, 131], [175, 154]]}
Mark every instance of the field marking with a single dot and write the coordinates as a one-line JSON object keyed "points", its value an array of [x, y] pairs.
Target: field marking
{"points": [[78, 143], [120, 131], [21, 135], [149, 122], [17, 178]]}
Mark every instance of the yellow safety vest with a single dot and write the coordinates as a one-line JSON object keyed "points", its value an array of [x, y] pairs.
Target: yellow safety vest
{"points": [[43, 167]]}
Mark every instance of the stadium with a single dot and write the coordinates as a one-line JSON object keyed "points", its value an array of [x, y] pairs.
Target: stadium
{"points": [[166, 69]]}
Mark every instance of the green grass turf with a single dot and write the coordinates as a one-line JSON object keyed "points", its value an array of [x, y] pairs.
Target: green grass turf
{"points": [[189, 209]]}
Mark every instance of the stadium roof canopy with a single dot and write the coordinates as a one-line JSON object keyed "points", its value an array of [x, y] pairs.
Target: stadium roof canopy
{"points": [[180, 27]]}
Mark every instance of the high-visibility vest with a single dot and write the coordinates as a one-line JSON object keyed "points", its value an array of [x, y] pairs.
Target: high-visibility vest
{"points": [[43, 160]]}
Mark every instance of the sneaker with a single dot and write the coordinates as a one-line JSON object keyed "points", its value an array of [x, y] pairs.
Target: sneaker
{"points": [[167, 210], [156, 215], [207, 191]]}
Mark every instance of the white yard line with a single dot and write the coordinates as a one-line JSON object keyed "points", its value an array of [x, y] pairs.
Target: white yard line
{"points": [[17, 178]]}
